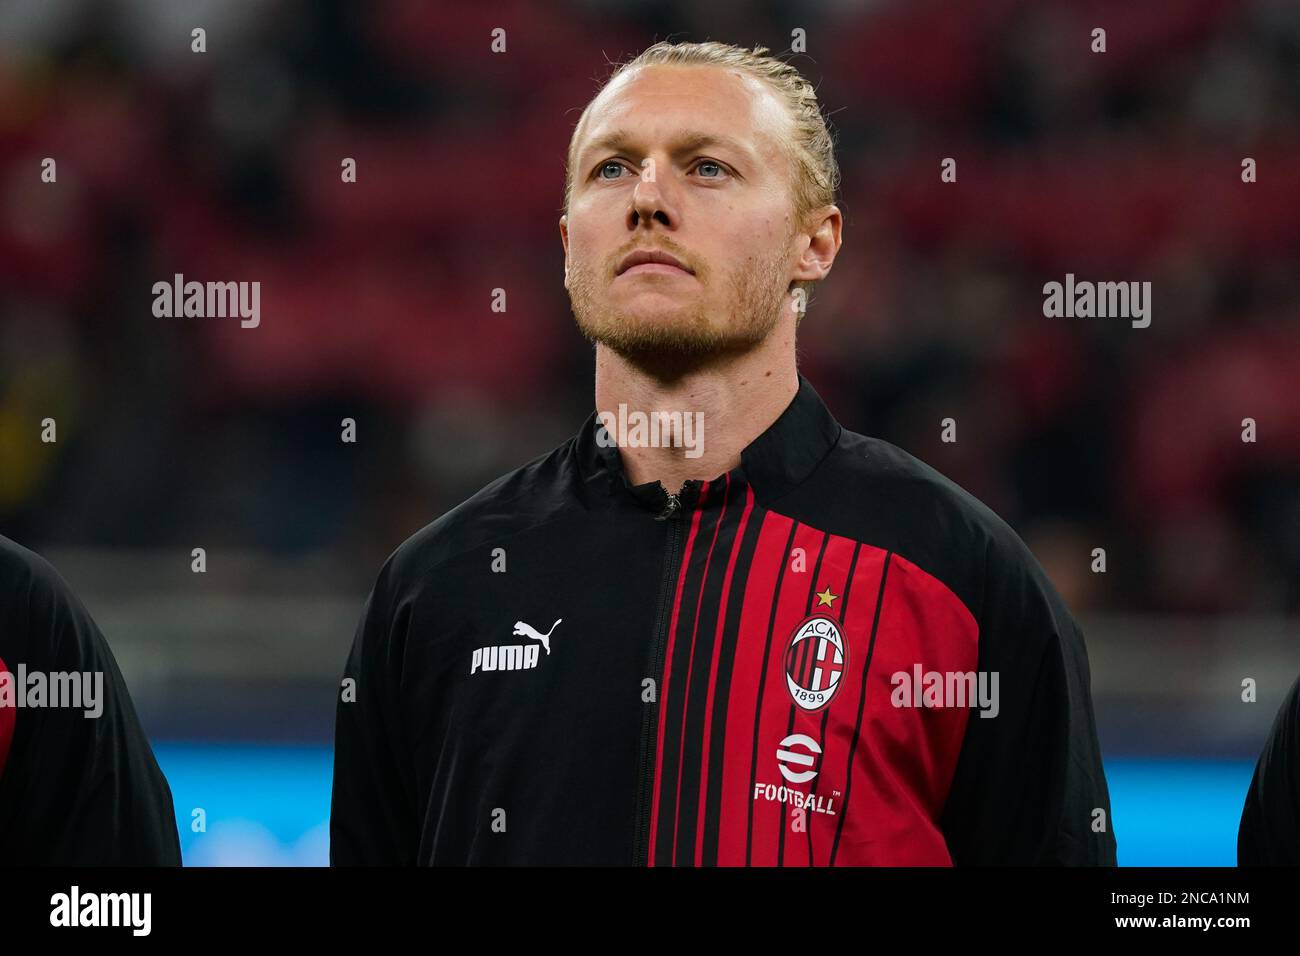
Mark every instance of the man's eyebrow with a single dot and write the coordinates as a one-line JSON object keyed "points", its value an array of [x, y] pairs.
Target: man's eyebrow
{"points": [[685, 142]]}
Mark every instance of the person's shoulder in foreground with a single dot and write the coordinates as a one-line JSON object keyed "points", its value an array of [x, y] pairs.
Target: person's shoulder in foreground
{"points": [[1269, 831], [79, 784]]}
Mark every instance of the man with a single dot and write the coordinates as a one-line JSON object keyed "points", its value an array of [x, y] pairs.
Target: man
{"points": [[1269, 832], [718, 648], [79, 785]]}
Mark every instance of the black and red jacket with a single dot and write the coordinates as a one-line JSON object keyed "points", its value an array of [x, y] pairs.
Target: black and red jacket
{"points": [[568, 669]]}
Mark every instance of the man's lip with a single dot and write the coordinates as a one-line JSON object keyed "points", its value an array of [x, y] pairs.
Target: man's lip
{"points": [[661, 267], [647, 256]]}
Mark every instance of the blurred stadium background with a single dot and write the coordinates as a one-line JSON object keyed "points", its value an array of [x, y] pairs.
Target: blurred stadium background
{"points": [[1082, 433]]}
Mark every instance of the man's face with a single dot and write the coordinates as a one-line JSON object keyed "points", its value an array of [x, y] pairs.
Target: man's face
{"points": [[721, 207]]}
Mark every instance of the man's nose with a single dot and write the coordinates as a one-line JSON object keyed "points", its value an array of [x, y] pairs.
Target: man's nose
{"points": [[651, 201]]}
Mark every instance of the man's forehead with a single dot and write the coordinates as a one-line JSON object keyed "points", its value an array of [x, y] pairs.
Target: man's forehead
{"points": [[690, 103]]}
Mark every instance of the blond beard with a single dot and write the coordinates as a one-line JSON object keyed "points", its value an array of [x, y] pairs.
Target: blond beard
{"points": [[757, 292]]}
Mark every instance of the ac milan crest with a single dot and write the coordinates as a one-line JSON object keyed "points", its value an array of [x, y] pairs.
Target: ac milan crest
{"points": [[815, 662]]}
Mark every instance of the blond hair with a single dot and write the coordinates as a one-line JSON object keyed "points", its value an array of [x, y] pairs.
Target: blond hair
{"points": [[815, 177]]}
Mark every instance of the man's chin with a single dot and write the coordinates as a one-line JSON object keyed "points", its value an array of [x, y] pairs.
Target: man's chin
{"points": [[663, 336]]}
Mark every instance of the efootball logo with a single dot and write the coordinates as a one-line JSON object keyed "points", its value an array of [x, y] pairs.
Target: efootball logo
{"points": [[815, 662]]}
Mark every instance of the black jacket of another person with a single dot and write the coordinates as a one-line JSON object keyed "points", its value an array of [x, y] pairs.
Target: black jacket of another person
{"points": [[75, 790]]}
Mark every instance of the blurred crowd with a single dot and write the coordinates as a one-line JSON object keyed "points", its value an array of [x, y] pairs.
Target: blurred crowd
{"points": [[377, 295]]}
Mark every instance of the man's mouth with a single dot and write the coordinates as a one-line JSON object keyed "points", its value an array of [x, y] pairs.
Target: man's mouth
{"points": [[653, 260]]}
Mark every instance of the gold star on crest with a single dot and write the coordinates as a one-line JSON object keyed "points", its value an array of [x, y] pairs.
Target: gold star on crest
{"points": [[826, 598]]}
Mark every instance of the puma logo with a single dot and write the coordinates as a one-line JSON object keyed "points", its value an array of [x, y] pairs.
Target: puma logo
{"points": [[513, 657], [527, 630]]}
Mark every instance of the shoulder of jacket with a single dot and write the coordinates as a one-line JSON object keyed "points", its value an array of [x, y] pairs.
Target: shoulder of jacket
{"points": [[532, 494], [868, 465], [24, 571], [921, 503]]}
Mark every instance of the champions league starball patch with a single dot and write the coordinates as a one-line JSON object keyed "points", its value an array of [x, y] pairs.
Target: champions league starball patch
{"points": [[815, 662]]}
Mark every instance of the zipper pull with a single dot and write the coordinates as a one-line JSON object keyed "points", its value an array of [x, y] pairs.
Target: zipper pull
{"points": [[671, 508]]}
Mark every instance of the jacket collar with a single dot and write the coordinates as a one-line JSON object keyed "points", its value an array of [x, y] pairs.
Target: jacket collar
{"points": [[774, 463]]}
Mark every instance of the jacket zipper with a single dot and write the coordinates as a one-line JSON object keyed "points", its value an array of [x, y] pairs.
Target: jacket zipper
{"points": [[672, 513]]}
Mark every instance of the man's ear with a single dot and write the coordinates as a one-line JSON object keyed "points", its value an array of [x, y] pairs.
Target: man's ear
{"points": [[564, 240], [823, 245]]}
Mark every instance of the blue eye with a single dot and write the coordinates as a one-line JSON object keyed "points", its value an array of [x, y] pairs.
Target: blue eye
{"points": [[616, 164]]}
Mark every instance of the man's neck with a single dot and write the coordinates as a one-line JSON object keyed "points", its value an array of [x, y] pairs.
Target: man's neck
{"points": [[731, 402]]}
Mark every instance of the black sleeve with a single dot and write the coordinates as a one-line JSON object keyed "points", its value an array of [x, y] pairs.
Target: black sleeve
{"points": [[1029, 783], [75, 790], [1269, 833], [372, 808]]}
